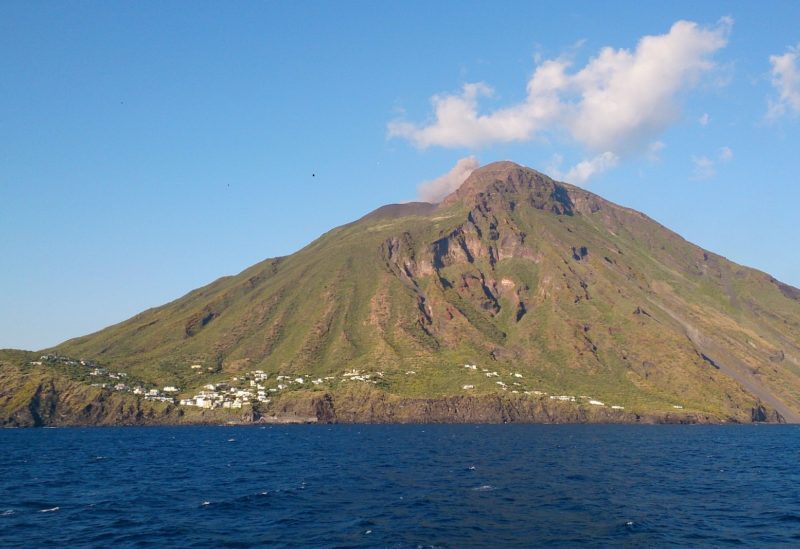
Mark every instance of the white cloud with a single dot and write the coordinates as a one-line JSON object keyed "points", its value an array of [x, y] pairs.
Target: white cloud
{"points": [[581, 172], [704, 119], [554, 167], [618, 102], [786, 80], [630, 97], [703, 168], [458, 123], [706, 168], [436, 189], [654, 151]]}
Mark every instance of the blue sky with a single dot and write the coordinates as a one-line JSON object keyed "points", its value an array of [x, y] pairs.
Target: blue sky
{"points": [[147, 148]]}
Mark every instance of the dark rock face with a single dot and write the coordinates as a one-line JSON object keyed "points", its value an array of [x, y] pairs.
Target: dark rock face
{"points": [[760, 414], [777, 356], [579, 253], [789, 291], [377, 407], [43, 404]]}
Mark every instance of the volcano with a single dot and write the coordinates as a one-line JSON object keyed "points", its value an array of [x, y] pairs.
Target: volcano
{"points": [[515, 287]]}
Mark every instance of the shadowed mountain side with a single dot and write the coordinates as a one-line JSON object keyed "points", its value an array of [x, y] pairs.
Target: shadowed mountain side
{"points": [[393, 211], [549, 290]]}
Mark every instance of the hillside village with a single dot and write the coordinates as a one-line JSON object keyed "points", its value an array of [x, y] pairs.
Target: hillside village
{"points": [[257, 386]]}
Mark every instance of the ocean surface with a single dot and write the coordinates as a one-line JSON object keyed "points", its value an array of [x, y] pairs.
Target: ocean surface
{"points": [[401, 486]]}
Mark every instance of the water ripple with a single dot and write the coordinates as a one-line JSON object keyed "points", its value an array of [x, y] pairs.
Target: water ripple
{"points": [[401, 486]]}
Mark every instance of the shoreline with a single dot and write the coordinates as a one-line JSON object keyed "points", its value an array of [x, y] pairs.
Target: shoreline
{"points": [[373, 408]]}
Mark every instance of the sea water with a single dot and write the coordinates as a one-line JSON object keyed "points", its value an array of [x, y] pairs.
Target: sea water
{"points": [[401, 486]]}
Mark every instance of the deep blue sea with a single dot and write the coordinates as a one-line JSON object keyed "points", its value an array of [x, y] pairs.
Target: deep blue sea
{"points": [[401, 486]]}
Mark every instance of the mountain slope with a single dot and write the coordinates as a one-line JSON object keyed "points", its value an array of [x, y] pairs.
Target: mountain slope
{"points": [[553, 288]]}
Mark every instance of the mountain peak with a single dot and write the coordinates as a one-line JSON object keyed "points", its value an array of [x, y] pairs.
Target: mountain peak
{"points": [[503, 171], [510, 182], [500, 166]]}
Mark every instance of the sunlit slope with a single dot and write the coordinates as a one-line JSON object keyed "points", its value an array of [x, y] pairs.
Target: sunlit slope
{"points": [[514, 272]]}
